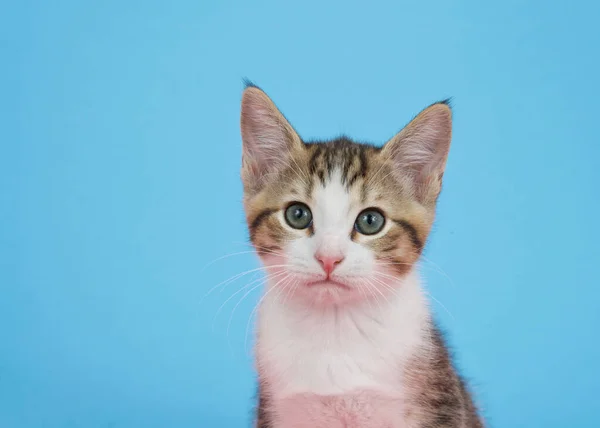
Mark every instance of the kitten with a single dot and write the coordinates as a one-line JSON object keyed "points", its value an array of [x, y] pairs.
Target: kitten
{"points": [[345, 337]]}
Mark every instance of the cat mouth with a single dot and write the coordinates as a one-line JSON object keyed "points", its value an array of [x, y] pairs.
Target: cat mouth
{"points": [[328, 283]]}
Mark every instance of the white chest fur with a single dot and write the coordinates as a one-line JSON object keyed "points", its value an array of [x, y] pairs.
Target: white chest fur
{"points": [[339, 351]]}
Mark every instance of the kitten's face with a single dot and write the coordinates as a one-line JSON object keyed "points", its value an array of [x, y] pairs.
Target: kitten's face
{"points": [[339, 222]]}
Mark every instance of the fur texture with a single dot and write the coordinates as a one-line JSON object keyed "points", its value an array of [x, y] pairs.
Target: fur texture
{"points": [[345, 337]]}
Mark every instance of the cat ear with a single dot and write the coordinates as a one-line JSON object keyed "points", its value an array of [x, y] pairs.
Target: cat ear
{"points": [[418, 153], [268, 139]]}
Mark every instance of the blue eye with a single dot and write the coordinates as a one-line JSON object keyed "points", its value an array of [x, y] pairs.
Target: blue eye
{"points": [[369, 222], [298, 215]]}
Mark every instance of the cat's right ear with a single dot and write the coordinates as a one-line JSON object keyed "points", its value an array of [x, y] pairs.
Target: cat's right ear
{"points": [[268, 139]]}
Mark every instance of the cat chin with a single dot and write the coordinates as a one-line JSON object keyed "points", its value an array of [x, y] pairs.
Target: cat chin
{"points": [[323, 293], [329, 297]]}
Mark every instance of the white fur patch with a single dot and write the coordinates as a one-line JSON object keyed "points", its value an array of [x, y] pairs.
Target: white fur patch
{"points": [[341, 350]]}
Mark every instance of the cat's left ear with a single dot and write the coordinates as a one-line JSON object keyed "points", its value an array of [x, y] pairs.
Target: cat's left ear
{"points": [[418, 153], [268, 139]]}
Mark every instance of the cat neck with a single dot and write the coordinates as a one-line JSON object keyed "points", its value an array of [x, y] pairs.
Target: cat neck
{"points": [[377, 337]]}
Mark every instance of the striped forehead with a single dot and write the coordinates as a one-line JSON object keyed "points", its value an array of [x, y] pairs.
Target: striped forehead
{"points": [[348, 159]]}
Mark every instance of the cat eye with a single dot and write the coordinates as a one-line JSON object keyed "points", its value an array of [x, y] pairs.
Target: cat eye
{"points": [[298, 215], [369, 222]]}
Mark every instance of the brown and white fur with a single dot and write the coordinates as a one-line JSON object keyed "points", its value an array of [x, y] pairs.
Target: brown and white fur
{"points": [[353, 344]]}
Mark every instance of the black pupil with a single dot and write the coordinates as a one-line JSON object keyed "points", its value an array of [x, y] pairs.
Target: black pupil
{"points": [[298, 213], [370, 219]]}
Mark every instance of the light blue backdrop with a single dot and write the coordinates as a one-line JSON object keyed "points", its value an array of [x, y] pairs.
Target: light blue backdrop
{"points": [[119, 181]]}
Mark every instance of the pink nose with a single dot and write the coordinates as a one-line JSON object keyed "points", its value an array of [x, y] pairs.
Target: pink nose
{"points": [[329, 262]]}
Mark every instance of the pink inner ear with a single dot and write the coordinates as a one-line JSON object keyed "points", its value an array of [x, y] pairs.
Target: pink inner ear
{"points": [[267, 137], [420, 150]]}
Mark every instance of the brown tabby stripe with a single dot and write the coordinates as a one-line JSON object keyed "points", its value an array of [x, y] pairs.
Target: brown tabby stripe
{"points": [[412, 232], [259, 219], [342, 153]]}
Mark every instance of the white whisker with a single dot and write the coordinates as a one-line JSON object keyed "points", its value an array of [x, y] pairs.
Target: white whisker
{"points": [[225, 257], [250, 291], [440, 303], [239, 275], [253, 312], [244, 288]]}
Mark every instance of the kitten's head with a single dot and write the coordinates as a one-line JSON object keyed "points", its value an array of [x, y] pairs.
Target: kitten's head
{"points": [[338, 221]]}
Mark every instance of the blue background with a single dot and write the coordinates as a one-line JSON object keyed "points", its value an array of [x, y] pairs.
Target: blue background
{"points": [[119, 182]]}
